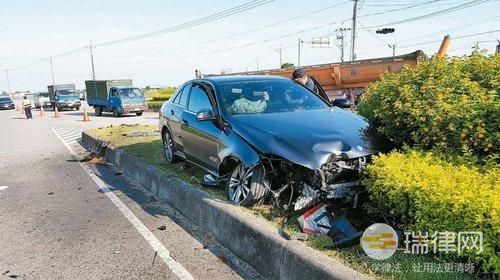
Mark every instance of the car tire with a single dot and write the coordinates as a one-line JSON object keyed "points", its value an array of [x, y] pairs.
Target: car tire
{"points": [[98, 111], [116, 114], [138, 114], [168, 147], [245, 186], [77, 108]]}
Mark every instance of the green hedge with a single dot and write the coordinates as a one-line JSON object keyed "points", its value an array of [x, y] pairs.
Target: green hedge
{"points": [[447, 105], [154, 104], [421, 192], [163, 94]]}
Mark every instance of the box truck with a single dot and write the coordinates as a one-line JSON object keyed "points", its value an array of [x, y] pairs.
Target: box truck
{"points": [[116, 96]]}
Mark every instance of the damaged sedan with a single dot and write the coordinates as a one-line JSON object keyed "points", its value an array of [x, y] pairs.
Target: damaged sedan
{"points": [[266, 137]]}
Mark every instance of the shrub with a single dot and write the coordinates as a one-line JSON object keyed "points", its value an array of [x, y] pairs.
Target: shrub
{"points": [[450, 106], [154, 104], [428, 194], [163, 94]]}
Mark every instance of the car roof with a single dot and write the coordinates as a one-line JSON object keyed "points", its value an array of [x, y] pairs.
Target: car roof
{"points": [[239, 78]]}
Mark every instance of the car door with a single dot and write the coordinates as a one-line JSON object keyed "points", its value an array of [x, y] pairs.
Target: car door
{"points": [[114, 99], [200, 137], [320, 91], [174, 112]]}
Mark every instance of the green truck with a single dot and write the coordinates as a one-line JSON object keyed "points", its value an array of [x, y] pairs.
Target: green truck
{"points": [[116, 96]]}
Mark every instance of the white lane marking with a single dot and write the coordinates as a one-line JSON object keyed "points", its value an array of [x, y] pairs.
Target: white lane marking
{"points": [[3, 188], [163, 252]]}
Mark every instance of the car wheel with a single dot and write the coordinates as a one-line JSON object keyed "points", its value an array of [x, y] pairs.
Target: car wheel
{"points": [[138, 114], [246, 186], [116, 113], [98, 111], [168, 147], [77, 108]]}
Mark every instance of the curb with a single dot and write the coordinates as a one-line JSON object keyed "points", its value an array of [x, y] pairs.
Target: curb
{"points": [[251, 239]]}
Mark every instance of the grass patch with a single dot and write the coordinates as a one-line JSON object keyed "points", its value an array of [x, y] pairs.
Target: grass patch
{"points": [[150, 149]]}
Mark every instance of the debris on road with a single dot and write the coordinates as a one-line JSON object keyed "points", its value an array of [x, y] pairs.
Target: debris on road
{"points": [[139, 134], [323, 219], [50, 193], [163, 227]]}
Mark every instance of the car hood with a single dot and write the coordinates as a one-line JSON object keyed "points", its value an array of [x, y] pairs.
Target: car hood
{"points": [[307, 138]]}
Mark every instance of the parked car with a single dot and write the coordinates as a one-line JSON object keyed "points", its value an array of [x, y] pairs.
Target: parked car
{"points": [[42, 99], [6, 103], [265, 136]]}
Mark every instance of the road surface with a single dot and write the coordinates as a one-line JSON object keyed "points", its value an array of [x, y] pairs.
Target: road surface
{"points": [[61, 219]]}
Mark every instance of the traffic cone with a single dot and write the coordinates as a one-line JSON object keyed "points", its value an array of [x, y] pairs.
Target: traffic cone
{"points": [[41, 111], [56, 113], [85, 115]]}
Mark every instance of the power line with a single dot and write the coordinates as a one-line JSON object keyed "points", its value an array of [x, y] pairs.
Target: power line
{"points": [[232, 11], [440, 40], [225, 13], [433, 14], [229, 48], [241, 33]]}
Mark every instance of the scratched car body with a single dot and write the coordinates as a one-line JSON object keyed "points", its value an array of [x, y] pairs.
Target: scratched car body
{"points": [[265, 136]]}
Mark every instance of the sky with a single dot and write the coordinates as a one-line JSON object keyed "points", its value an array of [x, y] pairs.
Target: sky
{"points": [[31, 31]]}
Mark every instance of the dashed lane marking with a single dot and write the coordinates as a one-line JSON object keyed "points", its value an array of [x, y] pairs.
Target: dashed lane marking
{"points": [[3, 188], [157, 246]]}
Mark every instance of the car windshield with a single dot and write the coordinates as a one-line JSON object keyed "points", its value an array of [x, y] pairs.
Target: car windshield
{"points": [[66, 92], [268, 96], [130, 92], [43, 94], [3, 99]]}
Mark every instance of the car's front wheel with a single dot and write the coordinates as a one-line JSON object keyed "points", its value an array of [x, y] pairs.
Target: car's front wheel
{"points": [[246, 186], [168, 147]]}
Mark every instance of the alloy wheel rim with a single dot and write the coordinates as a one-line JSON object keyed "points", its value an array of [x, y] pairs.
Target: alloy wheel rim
{"points": [[167, 143], [239, 184]]}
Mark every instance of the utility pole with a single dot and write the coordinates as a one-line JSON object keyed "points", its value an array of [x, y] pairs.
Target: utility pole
{"points": [[498, 47], [92, 60], [299, 50], [51, 71], [8, 81], [280, 51], [341, 37], [257, 61], [393, 49], [353, 30]]}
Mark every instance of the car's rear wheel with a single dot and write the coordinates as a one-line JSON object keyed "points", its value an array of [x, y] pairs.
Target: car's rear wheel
{"points": [[138, 113], [246, 186], [168, 147]]}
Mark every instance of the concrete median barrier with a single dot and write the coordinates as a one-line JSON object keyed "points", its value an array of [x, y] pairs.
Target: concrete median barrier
{"points": [[250, 238]]}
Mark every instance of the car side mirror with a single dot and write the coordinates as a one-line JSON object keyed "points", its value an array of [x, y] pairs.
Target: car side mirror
{"points": [[205, 115]]}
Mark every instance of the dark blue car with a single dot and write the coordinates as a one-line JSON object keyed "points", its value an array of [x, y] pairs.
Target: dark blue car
{"points": [[265, 136], [6, 103]]}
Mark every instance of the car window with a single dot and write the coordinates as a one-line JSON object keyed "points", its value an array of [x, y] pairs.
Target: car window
{"points": [[184, 96], [177, 97], [199, 99], [268, 96]]}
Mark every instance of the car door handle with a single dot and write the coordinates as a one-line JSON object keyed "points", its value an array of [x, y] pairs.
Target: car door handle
{"points": [[185, 122], [172, 112]]}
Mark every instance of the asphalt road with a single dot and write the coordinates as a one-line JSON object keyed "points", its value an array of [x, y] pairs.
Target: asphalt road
{"points": [[60, 219]]}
